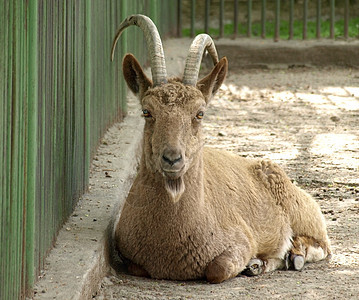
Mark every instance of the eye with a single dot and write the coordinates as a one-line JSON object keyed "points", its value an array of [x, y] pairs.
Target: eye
{"points": [[146, 113], [200, 115]]}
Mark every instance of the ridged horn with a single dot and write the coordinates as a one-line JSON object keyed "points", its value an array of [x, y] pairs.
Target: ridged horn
{"points": [[200, 44], [154, 44]]}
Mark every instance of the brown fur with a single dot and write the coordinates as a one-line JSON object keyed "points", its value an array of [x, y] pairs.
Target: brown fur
{"points": [[212, 211]]}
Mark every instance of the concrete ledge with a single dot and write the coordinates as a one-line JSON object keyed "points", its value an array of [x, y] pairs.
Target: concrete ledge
{"points": [[249, 53], [77, 263]]}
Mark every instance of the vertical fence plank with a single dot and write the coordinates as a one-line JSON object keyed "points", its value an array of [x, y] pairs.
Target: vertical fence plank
{"points": [[3, 44], [206, 16], [122, 85], [305, 19], [88, 86], [221, 19], [318, 19], [179, 18], [3, 142], [332, 19], [291, 19], [277, 21], [346, 19], [32, 142], [235, 19], [16, 182], [10, 216], [20, 144], [153, 10], [263, 19], [249, 18], [193, 16], [5, 211]]}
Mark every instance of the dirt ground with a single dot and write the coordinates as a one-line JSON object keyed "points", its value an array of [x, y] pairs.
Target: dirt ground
{"points": [[307, 120]]}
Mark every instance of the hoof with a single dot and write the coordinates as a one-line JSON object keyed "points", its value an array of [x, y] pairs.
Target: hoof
{"points": [[294, 262], [298, 262], [255, 267]]}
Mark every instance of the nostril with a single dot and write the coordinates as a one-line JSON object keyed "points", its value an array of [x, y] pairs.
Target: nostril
{"points": [[167, 160], [178, 159], [173, 160]]}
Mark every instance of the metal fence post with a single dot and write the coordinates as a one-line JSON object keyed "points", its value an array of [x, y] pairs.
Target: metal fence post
{"points": [[193, 14], [235, 19], [305, 19], [32, 138], [263, 19], [277, 21], [206, 16], [346, 19], [291, 18], [179, 18], [319, 13], [332, 18], [249, 18], [221, 19]]}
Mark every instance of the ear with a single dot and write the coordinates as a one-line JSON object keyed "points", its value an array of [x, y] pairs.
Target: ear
{"points": [[213, 81], [136, 79]]}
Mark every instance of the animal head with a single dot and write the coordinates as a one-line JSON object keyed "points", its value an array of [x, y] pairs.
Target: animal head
{"points": [[173, 108]]}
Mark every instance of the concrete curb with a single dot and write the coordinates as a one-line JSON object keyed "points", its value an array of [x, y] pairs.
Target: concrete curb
{"points": [[77, 263]]}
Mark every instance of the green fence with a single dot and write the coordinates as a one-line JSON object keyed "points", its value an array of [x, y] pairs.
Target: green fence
{"points": [[278, 19], [59, 92]]}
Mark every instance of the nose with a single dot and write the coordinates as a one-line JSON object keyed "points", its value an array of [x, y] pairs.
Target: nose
{"points": [[172, 158]]}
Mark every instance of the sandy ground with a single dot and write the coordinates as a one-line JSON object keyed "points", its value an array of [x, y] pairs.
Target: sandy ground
{"points": [[307, 120]]}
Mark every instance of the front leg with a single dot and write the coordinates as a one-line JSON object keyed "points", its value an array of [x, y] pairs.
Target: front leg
{"points": [[225, 266], [254, 267]]}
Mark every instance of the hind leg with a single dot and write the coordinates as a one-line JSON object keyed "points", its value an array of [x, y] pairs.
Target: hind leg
{"points": [[306, 249], [310, 242]]}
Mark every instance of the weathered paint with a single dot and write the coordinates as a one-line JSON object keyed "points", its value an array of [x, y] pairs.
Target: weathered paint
{"points": [[59, 92]]}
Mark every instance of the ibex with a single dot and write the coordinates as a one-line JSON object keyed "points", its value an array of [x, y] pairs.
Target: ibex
{"points": [[194, 212]]}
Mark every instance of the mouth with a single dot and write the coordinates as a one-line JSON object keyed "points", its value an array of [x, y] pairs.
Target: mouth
{"points": [[173, 178], [173, 174], [174, 184]]}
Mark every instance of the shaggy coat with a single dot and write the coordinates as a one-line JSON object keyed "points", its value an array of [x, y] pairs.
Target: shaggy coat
{"points": [[194, 212], [227, 210]]}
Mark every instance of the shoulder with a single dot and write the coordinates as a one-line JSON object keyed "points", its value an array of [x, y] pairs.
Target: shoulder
{"points": [[222, 158], [225, 165]]}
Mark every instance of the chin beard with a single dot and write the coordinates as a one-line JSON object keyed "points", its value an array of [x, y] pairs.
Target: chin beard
{"points": [[175, 188]]}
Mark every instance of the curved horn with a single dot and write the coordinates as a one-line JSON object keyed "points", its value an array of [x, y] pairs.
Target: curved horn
{"points": [[157, 57], [200, 44]]}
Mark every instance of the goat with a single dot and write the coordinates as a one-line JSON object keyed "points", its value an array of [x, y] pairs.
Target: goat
{"points": [[194, 212]]}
